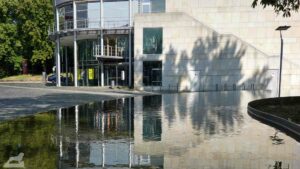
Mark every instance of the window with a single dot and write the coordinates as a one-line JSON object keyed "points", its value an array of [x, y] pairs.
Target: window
{"points": [[152, 73], [152, 40], [65, 17], [88, 15], [116, 14], [153, 6], [82, 15]]}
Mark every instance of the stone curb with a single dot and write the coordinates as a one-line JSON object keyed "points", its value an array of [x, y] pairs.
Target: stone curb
{"points": [[281, 123]]}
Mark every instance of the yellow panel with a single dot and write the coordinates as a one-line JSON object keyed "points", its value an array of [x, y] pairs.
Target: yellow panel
{"points": [[91, 74]]}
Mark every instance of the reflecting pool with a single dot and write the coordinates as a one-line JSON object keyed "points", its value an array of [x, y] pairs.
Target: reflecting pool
{"points": [[185, 131]]}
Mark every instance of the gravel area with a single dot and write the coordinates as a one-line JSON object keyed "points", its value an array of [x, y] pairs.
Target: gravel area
{"points": [[21, 99]]}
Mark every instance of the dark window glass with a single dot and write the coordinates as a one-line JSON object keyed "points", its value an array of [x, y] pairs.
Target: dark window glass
{"points": [[152, 128], [66, 17], [153, 6], [152, 40], [152, 73], [158, 6]]}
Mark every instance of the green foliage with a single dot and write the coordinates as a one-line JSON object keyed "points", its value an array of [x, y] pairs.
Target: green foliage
{"points": [[34, 136], [284, 6], [24, 33]]}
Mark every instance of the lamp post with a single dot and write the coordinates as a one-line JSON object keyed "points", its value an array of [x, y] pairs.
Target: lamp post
{"points": [[280, 29]]}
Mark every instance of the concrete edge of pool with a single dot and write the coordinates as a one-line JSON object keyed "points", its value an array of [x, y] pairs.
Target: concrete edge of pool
{"points": [[290, 128]]}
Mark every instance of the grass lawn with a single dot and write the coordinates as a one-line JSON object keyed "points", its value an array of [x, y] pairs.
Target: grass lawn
{"points": [[22, 78]]}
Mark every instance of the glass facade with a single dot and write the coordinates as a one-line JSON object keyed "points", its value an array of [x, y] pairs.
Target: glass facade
{"points": [[116, 14], [115, 55], [116, 45], [152, 40], [88, 67], [115, 70], [152, 73], [65, 17], [116, 74], [88, 15]]}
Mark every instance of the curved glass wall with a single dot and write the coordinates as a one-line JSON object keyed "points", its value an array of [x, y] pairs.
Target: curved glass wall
{"points": [[115, 71], [65, 14], [116, 14], [88, 67], [88, 15]]}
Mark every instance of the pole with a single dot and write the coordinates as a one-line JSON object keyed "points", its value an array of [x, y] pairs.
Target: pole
{"points": [[75, 46], [129, 45], [280, 69], [102, 41], [58, 62], [67, 71]]}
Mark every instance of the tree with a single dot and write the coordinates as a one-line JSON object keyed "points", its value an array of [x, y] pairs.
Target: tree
{"points": [[10, 57], [35, 22], [24, 34], [284, 6]]}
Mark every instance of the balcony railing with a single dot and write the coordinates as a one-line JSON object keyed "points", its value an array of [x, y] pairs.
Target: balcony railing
{"points": [[66, 25], [109, 51]]}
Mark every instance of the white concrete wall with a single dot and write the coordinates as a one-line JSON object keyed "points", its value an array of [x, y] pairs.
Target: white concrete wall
{"points": [[197, 57], [255, 26]]}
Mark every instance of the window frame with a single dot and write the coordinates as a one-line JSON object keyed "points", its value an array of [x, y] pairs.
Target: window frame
{"points": [[148, 73], [160, 50]]}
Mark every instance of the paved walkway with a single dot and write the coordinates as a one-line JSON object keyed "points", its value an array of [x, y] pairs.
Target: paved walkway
{"points": [[20, 99]]}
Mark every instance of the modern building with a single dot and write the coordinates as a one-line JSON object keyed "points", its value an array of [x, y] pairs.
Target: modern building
{"points": [[184, 45]]}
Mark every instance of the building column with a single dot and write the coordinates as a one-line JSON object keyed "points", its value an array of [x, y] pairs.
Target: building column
{"points": [[57, 50], [75, 61], [75, 45], [102, 73], [67, 66], [58, 62], [76, 132], [117, 82], [129, 45], [102, 41]]}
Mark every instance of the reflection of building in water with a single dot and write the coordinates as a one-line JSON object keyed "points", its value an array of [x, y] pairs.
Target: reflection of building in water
{"points": [[151, 118], [207, 130], [100, 135]]}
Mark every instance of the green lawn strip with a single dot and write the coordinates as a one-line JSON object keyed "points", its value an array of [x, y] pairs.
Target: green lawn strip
{"points": [[28, 77]]}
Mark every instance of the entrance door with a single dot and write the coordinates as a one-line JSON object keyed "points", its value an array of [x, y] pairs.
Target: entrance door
{"points": [[156, 76]]}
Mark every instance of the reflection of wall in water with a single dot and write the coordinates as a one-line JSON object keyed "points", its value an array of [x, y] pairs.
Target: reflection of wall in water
{"points": [[151, 118]]}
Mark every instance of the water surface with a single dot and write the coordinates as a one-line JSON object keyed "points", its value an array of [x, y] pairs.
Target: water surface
{"points": [[190, 130]]}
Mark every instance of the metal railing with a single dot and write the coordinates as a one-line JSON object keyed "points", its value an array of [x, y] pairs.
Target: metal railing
{"points": [[109, 51], [66, 25], [108, 23], [209, 88]]}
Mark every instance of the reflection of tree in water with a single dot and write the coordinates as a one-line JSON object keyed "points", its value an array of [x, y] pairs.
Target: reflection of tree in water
{"points": [[32, 136], [215, 112], [217, 120], [279, 165], [211, 113], [276, 139]]}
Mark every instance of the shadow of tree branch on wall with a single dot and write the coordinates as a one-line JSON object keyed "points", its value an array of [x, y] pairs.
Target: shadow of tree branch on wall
{"points": [[215, 63]]}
